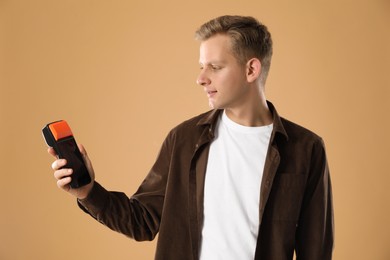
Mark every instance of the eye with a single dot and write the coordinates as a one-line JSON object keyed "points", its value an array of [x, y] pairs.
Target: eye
{"points": [[215, 67]]}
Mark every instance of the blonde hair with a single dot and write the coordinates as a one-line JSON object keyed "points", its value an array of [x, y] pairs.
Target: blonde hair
{"points": [[249, 38]]}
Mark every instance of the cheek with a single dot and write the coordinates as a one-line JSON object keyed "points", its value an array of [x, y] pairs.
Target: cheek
{"points": [[231, 81], [226, 77]]}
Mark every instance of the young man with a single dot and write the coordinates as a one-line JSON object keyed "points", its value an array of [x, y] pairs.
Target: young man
{"points": [[237, 182]]}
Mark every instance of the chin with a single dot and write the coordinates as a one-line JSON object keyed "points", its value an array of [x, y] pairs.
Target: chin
{"points": [[215, 106]]}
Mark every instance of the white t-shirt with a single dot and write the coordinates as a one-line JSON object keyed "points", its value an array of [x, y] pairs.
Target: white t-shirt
{"points": [[232, 190]]}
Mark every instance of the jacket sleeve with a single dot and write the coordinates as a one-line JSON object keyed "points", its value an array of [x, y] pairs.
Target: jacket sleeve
{"points": [[139, 216], [315, 231]]}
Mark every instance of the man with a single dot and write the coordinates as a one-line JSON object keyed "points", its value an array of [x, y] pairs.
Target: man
{"points": [[237, 182]]}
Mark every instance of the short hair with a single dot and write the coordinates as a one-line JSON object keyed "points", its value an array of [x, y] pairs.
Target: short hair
{"points": [[249, 38]]}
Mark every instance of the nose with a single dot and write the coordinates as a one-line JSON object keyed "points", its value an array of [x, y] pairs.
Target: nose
{"points": [[202, 79]]}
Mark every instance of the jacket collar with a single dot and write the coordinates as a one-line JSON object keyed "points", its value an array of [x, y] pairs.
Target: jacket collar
{"points": [[211, 119]]}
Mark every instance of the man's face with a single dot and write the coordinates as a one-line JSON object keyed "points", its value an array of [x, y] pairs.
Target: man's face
{"points": [[222, 76]]}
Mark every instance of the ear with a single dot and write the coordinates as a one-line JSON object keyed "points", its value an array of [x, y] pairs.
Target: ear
{"points": [[253, 69]]}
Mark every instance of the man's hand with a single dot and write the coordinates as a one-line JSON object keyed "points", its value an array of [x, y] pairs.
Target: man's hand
{"points": [[64, 175]]}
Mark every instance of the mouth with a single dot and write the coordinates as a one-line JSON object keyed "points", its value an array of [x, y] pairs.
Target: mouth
{"points": [[211, 93]]}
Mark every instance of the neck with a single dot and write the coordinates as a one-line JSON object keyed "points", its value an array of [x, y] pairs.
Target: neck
{"points": [[255, 113]]}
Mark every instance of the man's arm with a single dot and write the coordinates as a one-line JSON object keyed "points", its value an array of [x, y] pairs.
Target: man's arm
{"points": [[122, 214], [315, 233], [139, 216]]}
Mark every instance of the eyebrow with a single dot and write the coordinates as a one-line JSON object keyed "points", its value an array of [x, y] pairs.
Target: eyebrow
{"points": [[221, 62]]}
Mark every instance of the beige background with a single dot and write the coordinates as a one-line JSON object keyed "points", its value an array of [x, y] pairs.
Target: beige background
{"points": [[122, 73]]}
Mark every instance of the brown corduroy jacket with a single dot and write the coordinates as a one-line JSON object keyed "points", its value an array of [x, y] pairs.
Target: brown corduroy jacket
{"points": [[296, 211]]}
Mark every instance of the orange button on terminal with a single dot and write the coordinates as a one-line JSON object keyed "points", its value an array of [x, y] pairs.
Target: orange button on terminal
{"points": [[60, 130]]}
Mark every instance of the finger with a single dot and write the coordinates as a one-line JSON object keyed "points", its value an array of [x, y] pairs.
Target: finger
{"points": [[57, 164], [63, 173], [84, 154], [51, 151], [64, 183], [82, 149]]}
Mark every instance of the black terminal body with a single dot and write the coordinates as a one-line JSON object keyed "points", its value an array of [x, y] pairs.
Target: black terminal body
{"points": [[59, 136]]}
